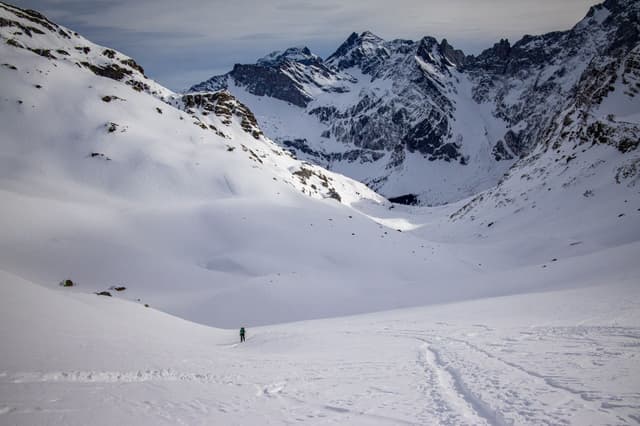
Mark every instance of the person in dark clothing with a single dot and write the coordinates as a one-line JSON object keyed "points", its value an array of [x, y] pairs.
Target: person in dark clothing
{"points": [[242, 334]]}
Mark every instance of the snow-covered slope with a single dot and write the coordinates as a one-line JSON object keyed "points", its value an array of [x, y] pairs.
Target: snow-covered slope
{"points": [[422, 118], [569, 357], [190, 208], [108, 179], [219, 116], [112, 180]]}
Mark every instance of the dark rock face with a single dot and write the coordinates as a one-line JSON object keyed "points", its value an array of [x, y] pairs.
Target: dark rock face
{"points": [[427, 138], [281, 75], [514, 141], [268, 81], [500, 152], [511, 146], [300, 55], [261, 80], [298, 146], [425, 50], [214, 84], [454, 56], [408, 199], [493, 59], [366, 51], [224, 106], [112, 71]]}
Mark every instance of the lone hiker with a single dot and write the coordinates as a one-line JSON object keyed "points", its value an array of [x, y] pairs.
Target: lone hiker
{"points": [[242, 334]]}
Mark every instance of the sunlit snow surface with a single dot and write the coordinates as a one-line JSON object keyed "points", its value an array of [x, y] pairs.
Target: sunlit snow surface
{"points": [[567, 357], [218, 228]]}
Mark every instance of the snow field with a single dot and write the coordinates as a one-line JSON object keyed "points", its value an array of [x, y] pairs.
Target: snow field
{"points": [[564, 357]]}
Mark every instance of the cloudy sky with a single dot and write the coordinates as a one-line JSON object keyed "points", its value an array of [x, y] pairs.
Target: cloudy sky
{"points": [[180, 43]]}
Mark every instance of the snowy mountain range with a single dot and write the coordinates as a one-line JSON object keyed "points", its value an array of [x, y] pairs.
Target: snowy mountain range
{"points": [[422, 119], [516, 304], [109, 178]]}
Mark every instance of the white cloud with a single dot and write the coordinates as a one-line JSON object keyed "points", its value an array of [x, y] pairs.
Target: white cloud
{"points": [[165, 31]]}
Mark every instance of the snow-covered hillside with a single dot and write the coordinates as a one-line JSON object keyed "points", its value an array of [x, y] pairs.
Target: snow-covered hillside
{"points": [[221, 120], [109, 179], [569, 357]]}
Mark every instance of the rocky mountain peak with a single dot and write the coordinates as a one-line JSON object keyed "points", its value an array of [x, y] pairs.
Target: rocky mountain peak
{"points": [[618, 6], [455, 56], [293, 54], [428, 51], [369, 37], [355, 40], [364, 50], [427, 43], [620, 18], [624, 18], [292, 75], [500, 50]]}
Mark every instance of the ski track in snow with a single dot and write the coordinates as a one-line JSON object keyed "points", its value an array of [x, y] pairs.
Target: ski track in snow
{"points": [[453, 404], [461, 376], [462, 397], [471, 385]]}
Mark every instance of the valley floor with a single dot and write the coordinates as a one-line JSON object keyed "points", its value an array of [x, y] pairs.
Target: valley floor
{"points": [[563, 357]]}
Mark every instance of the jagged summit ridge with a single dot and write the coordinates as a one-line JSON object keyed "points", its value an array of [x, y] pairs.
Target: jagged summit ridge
{"points": [[294, 75], [364, 50], [368, 97], [389, 113], [293, 54]]}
